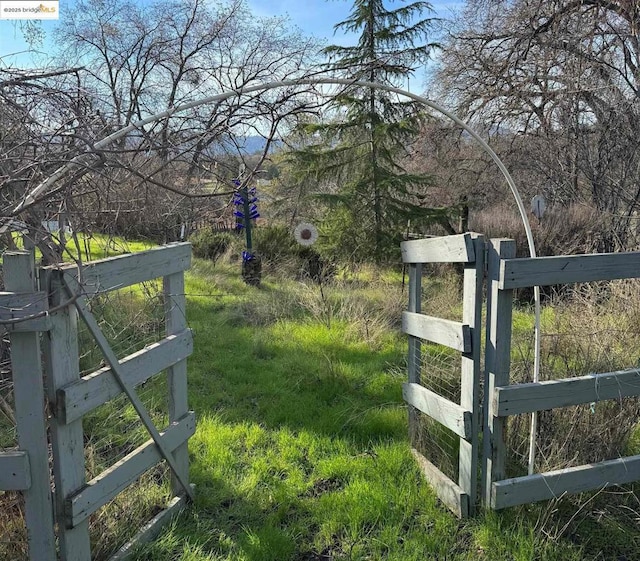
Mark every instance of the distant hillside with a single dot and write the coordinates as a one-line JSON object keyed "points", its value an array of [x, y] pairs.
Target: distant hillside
{"points": [[253, 144], [246, 145]]}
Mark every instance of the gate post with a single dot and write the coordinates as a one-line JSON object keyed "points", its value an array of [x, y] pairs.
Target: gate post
{"points": [[62, 364], [471, 373], [175, 305], [28, 382], [497, 365], [414, 361]]}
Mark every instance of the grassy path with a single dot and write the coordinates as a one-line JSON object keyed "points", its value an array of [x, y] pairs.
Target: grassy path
{"points": [[301, 451]]}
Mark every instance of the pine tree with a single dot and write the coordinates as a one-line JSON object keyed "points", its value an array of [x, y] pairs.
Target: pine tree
{"points": [[362, 149]]}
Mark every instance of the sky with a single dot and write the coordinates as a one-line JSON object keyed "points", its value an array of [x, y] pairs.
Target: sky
{"points": [[313, 17], [318, 17]]}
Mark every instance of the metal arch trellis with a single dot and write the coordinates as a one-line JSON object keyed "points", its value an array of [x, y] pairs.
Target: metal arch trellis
{"points": [[31, 198]]}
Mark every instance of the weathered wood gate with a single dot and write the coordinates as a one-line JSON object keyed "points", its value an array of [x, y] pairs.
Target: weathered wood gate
{"points": [[53, 311], [501, 398], [504, 399], [462, 418]]}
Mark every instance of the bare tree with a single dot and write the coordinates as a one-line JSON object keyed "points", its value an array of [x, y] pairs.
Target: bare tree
{"points": [[565, 74], [40, 114], [136, 61]]}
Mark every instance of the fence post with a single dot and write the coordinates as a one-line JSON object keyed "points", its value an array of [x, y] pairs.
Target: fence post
{"points": [[28, 384], [62, 366], [176, 322], [470, 375], [415, 351], [497, 365]]}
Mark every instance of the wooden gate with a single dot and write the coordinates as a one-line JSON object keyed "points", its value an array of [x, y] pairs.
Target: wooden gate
{"points": [[462, 418], [54, 311], [504, 399]]}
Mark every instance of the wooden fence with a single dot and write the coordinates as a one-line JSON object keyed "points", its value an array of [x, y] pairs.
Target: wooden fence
{"points": [[503, 399], [462, 418], [27, 469], [500, 398], [53, 311]]}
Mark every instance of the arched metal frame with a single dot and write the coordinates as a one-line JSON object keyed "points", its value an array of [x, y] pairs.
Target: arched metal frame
{"points": [[32, 197]]}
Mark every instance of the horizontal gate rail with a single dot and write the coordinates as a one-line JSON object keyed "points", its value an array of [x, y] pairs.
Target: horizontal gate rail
{"points": [[448, 249], [452, 334], [100, 490], [525, 398], [152, 528], [545, 271], [447, 413], [448, 492], [15, 470], [118, 272], [95, 389], [554, 484]]}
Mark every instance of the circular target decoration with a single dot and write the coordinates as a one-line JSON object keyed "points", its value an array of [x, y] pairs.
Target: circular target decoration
{"points": [[305, 233]]}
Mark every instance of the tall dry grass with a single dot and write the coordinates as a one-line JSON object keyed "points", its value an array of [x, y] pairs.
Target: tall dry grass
{"points": [[366, 303], [589, 329], [562, 230]]}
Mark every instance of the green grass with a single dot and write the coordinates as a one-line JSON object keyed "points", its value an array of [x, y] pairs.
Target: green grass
{"points": [[301, 451]]}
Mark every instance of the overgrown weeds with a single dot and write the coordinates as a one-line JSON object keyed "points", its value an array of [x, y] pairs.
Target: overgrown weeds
{"points": [[302, 451], [281, 372], [562, 231], [591, 329]]}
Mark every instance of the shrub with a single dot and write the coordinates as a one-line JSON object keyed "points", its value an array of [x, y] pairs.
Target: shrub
{"points": [[210, 244], [279, 251], [275, 243]]}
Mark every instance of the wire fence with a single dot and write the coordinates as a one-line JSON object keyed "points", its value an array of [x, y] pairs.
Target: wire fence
{"points": [[586, 329], [440, 373], [440, 370], [131, 319]]}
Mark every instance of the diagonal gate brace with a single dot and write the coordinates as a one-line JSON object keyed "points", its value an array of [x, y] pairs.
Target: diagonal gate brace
{"points": [[114, 363]]}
